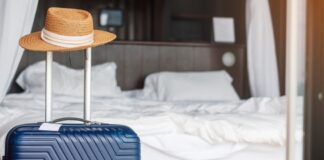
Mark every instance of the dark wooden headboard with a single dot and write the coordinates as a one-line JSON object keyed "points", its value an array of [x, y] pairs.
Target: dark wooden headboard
{"points": [[136, 60]]}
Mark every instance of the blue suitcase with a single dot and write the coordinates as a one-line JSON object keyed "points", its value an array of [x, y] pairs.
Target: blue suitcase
{"points": [[90, 141], [76, 141]]}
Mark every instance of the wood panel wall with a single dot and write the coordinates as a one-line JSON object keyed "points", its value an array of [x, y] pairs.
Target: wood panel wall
{"points": [[229, 8], [236, 9], [314, 110], [136, 60], [278, 10]]}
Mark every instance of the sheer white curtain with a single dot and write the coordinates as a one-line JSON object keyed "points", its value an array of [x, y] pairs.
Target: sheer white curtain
{"points": [[262, 61], [16, 20]]}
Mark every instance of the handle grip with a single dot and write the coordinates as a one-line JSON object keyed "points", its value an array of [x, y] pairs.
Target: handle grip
{"points": [[71, 119]]}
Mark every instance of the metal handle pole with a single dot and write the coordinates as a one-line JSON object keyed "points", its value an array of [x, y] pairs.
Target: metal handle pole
{"points": [[87, 85], [48, 97]]}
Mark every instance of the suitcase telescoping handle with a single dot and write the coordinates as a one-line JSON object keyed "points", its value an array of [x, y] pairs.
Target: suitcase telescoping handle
{"points": [[87, 86], [71, 119]]}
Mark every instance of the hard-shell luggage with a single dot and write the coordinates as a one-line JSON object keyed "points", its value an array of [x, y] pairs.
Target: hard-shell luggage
{"points": [[73, 142], [81, 141]]}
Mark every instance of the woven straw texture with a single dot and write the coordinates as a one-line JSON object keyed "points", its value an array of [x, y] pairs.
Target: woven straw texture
{"points": [[68, 22]]}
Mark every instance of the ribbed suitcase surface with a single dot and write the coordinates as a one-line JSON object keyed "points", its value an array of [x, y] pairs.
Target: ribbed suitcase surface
{"points": [[73, 142]]}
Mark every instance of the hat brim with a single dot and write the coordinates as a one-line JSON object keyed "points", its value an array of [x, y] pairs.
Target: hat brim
{"points": [[33, 42]]}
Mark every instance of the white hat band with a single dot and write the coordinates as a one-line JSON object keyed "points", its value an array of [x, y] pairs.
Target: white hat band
{"points": [[66, 41]]}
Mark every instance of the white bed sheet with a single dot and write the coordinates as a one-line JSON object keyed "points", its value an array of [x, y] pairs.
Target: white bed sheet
{"points": [[252, 129]]}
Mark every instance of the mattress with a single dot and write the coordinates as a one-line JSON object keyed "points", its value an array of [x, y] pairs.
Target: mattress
{"points": [[240, 130]]}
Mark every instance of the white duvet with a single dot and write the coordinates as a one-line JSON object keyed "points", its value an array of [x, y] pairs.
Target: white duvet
{"points": [[172, 130]]}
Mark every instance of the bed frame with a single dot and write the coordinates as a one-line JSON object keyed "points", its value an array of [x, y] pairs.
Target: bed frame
{"points": [[136, 60]]}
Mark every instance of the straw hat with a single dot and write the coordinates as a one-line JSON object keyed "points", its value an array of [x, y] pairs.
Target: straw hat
{"points": [[66, 30]]}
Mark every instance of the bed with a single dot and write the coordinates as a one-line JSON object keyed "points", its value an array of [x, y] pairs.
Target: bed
{"points": [[169, 129], [250, 129]]}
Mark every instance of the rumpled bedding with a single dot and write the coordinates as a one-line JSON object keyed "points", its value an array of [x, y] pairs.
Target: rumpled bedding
{"points": [[205, 130]]}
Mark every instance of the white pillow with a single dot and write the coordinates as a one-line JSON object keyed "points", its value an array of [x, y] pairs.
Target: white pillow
{"points": [[68, 81], [190, 86]]}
